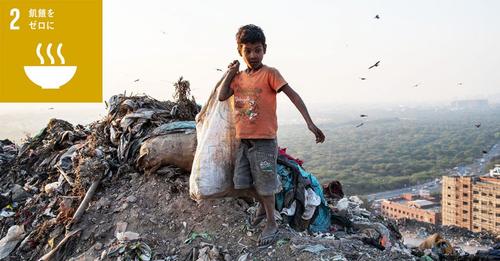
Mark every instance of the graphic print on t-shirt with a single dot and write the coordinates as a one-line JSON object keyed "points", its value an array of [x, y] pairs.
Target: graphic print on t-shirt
{"points": [[246, 104]]}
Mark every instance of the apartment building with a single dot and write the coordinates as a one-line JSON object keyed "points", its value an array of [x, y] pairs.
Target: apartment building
{"points": [[416, 207], [472, 202]]}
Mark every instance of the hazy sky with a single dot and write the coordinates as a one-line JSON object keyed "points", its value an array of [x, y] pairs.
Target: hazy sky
{"points": [[320, 47]]}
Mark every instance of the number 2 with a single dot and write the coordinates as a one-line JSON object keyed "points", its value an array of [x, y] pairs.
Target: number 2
{"points": [[16, 13]]}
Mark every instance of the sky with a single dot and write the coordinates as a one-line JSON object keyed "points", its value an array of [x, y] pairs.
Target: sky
{"points": [[322, 48]]}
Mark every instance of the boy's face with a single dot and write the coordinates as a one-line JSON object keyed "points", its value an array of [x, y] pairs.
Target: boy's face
{"points": [[252, 54]]}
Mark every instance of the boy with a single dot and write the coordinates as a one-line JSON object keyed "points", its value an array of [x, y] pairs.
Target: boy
{"points": [[254, 91]]}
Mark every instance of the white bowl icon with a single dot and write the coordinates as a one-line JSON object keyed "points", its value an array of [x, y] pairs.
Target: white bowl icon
{"points": [[50, 77]]}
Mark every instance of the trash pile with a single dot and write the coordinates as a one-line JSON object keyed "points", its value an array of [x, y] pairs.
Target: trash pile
{"points": [[132, 120], [493, 253], [117, 189], [351, 221], [437, 248], [8, 152], [447, 242], [456, 235], [49, 182]]}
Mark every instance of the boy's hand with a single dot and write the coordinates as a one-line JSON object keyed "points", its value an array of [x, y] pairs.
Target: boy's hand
{"points": [[234, 67], [320, 137]]}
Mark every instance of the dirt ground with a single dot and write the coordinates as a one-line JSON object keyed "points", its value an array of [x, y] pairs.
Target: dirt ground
{"points": [[158, 207]]}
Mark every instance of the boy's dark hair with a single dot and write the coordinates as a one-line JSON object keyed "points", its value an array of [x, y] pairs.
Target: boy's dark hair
{"points": [[250, 33]]}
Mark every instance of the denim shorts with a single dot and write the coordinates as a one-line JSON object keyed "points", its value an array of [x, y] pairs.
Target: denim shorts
{"points": [[256, 166]]}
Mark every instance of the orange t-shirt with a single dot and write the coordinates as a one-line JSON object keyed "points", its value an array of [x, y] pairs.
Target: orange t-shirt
{"points": [[255, 103]]}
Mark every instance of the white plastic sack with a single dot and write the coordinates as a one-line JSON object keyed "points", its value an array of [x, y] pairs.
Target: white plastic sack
{"points": [[9, 242], [213, 164]]}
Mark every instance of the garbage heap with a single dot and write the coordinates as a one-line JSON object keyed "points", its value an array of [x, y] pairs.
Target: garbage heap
{"points": [[48, 182], [447, 242], [100, 192], [362, 234], [8, 152]]}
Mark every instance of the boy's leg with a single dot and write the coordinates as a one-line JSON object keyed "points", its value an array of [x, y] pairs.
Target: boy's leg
{"points": [[271, 228], [243, 181], [266, 210], [263, 155]]}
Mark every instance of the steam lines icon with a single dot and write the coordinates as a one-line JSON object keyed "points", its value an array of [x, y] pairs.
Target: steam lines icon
{"points": [[49, 47], [50, 76]]}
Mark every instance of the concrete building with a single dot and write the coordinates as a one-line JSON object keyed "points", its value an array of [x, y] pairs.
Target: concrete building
{"points": [[486, 205], [456, 201], [472, 202], [421, 208]]}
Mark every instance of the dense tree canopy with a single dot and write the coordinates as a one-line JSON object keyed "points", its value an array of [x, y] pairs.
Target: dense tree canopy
{"points": [[390, 153]]}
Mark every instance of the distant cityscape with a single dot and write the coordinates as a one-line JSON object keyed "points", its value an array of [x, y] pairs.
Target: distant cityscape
{"points": [[469, 201]]}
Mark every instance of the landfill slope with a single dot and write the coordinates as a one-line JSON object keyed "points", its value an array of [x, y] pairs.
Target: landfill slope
{"points": [[79, 193]]}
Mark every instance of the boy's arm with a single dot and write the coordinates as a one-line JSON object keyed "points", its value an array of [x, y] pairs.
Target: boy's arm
{"points": [[297, 101], [225, 90]]}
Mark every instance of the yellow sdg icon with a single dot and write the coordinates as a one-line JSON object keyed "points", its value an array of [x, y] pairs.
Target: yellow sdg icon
{"points": [[50, 76], [51, 51]]}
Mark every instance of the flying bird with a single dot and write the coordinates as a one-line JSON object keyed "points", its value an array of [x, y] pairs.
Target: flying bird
{"points": [[416, 85], [51, 108], [362, 78], [363, 115], [377, 17], [359, 125], [375, 65], [477, 125], [459, 83], [220, 70], [136, 80]]}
